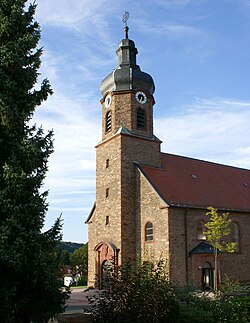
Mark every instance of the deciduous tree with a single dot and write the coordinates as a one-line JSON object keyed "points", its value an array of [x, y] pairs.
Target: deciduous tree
{"points": [[79, 261], [218, 228]]}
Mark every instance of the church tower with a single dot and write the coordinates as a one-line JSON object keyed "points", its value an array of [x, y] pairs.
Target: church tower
{"points": [[127, 139]]}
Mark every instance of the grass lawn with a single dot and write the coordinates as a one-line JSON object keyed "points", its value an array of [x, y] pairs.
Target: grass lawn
{"points": [[78, 287]]}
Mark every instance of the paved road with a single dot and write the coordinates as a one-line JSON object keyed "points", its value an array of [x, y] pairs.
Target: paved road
{"points": [[79, 300]]}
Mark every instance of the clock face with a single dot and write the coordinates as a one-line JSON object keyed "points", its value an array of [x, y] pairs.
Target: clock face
{"points": [[141, 97], [107, 101]]}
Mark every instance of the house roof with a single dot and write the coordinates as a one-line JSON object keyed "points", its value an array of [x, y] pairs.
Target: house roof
{"points": [[91, 213], [188, 182], [202, 248]]}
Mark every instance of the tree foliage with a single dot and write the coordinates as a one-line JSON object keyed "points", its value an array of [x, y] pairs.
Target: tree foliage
{"points": [[217, 229], [29, 267], [69, 246], [79, 261], [66, 249], [138, 294]]}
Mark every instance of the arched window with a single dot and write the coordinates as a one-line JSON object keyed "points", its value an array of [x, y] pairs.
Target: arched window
{"points": [[140, 118], [108, 121], [149, 232], [200, 231], [235, 234]]}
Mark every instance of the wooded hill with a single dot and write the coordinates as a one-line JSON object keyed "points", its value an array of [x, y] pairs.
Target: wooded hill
{"points": [[69, 246]]}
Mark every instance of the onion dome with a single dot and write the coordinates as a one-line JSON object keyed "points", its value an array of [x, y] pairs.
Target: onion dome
{"points": [[127, 75]]}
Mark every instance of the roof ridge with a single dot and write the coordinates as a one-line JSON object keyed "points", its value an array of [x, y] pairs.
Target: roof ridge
{"points": [[204, 161]]}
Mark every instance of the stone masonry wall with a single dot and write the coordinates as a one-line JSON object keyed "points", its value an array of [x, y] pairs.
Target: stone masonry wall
{"points": [[123, 111], [177, 245], [237, 265], [151, 208], [234, 265], [91, 252], [106, 206], [137, 150], [120, 180], [115, 184]]}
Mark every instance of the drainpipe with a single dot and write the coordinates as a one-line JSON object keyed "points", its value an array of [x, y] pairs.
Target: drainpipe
{"points": [[99, 270], [186, 252], [116, 255]]}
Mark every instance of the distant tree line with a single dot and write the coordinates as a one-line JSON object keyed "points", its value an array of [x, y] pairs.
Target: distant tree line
{"points": [[69, 246], [75, 255]]}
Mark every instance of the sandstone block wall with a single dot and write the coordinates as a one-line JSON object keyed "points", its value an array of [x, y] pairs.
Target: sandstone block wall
{"points": [[123, 110], [234, 265], [237, 265], [106, 206], [151, 208], [138, 150], [115, 184]]}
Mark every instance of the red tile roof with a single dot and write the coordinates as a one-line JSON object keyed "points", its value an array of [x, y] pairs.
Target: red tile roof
{"points": [[189, 182]]}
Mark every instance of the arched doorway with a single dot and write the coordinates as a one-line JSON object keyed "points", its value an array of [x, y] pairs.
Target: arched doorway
{"points": [[106, 272], [106, 262], [207, 276]]}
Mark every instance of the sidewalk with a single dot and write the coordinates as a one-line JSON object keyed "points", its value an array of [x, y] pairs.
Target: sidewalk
{"points": [[78, 300], [76, 306]]}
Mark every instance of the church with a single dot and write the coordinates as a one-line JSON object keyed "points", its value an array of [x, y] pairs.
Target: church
{"points": [[152, 205]]}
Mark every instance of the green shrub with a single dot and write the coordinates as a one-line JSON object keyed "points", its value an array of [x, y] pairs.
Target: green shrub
{"points": [[201, 308], [245, 305], [195, 315], [229, 310], [230, 285], [143, 294], [138, 295], [82, 281]]}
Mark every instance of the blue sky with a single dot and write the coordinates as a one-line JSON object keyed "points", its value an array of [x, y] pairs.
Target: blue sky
{"points": [[197, 52]]}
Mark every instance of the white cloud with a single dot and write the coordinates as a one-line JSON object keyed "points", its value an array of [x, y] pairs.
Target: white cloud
{"points": [[69, 209], [48, 66], [71, 176], [244, 151], [66, 12], [89, 19], [179, 3], [171, 29], [183, 38], [216, 130], [220, 103], [87, 164]]}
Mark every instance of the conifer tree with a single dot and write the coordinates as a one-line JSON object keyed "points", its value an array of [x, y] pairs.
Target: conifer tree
{"points": [[29, 269]]}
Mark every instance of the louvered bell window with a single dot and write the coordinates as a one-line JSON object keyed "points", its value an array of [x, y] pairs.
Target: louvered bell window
{"points": [[140, 119], [108, 121]]}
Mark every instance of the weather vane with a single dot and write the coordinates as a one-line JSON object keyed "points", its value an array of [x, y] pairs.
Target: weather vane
{"points": [[125, 19]]}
